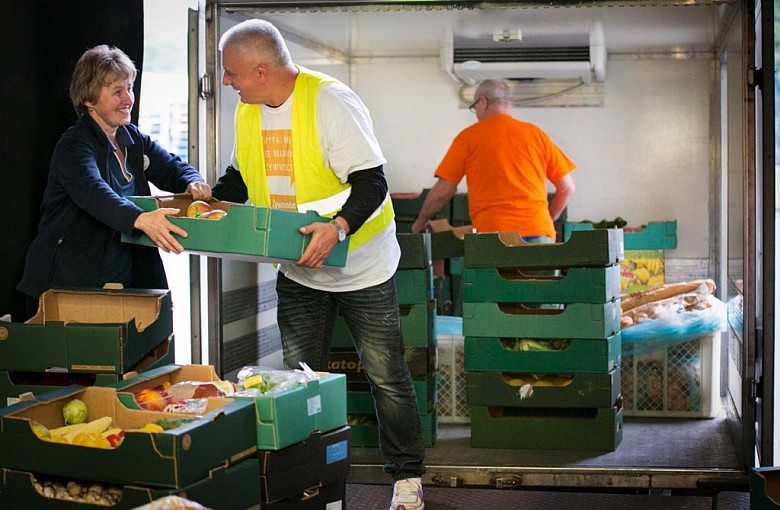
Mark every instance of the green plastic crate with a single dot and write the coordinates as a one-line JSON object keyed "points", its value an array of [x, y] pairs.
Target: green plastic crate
{"points": [[658, 235], [593, 248], [421, 362], [584, 355], [546, 429], [414, 286], [364, 432], [415, 250], [576, 285], [576, 389], [407, 205], [576, 320], [418, 326], [460, 209], [361, 402]]}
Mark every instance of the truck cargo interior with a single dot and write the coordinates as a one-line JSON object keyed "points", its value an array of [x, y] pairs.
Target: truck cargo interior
{"points": [[657, 103]]}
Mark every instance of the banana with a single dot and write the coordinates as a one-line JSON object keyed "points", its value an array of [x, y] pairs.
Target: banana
{"points": [[642, 274], [656, 280]]}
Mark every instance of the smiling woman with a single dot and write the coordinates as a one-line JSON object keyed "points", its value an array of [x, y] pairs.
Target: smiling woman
{"points": [[97, 163]]}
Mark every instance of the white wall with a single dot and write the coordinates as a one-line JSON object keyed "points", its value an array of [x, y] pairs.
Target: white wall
{"points": [[644, 155]]}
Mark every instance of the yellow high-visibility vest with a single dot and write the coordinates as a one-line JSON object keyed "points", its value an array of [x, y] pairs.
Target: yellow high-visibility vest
{"points": [[316, 186]]}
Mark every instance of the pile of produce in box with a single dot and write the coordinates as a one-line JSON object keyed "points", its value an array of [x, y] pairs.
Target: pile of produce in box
{"points": [[79, 491], [98, 432], [189, 397], [256, 381], [668, 315]]}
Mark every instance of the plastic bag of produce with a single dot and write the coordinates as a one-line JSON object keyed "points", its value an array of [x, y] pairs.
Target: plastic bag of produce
{"points": [[182, 397], [199, 389], [672, 327], [253, 380]]}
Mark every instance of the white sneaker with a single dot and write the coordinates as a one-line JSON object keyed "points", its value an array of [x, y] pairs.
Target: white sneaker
{"points": [[407, 495]]}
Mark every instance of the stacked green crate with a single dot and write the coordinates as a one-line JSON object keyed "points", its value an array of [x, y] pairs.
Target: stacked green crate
{"points": [[300, 433], [211, 460], [447, 247], [407, 206], [453, 268], [542, 347], [414, 287]]}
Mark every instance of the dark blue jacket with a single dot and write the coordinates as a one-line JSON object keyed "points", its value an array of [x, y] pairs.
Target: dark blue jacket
{"points": [[80, 210]]}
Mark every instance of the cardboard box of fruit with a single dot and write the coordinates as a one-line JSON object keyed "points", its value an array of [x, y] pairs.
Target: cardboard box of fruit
{"points": [[150, 390], [88, 330], [290, 416], [236, 231], [132, 446]]}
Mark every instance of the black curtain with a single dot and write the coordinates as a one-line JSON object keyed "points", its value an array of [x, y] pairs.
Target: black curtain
{"points": [[41, 41]]}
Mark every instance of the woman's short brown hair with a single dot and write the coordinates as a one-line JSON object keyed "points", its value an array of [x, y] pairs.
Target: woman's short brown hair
{"points": [[97, 67]]}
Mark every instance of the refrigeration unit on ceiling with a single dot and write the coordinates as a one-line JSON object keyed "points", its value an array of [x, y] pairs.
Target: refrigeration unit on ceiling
{"points": [[554, 70]]}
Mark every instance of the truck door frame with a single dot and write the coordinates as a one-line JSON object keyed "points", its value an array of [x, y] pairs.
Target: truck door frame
{"points": [[758, 274], [760, 235]]}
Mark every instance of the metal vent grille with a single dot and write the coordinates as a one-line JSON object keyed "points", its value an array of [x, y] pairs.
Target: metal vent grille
{"points": [[494, 54]]}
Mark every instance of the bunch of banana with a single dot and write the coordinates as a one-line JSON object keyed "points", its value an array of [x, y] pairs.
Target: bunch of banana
{"points": [[648, 271], [539, 380]]}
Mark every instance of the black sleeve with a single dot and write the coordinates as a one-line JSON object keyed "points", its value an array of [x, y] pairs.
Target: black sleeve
{"points": [[230, 187], [369, 189]]}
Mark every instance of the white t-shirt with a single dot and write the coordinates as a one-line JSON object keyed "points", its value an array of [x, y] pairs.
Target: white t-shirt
{"points": [[348, 145]]}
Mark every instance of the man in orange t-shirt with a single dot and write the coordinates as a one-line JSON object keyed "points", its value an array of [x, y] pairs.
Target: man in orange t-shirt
{"points": [[506, 163]]}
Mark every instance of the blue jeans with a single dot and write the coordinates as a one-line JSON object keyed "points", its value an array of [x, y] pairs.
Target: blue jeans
{"points": [[539, 239], [306, 319]]}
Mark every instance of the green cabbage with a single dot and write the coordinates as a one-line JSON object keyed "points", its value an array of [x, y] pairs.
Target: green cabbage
{"points": [[74, 412]]}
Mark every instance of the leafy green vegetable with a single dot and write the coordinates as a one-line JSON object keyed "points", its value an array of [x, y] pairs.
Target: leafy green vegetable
{"points": [[74, 412], [172, 423]]}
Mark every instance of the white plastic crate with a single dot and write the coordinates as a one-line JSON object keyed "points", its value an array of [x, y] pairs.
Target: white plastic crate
{"points": [[680, 381], [451, 399]]}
